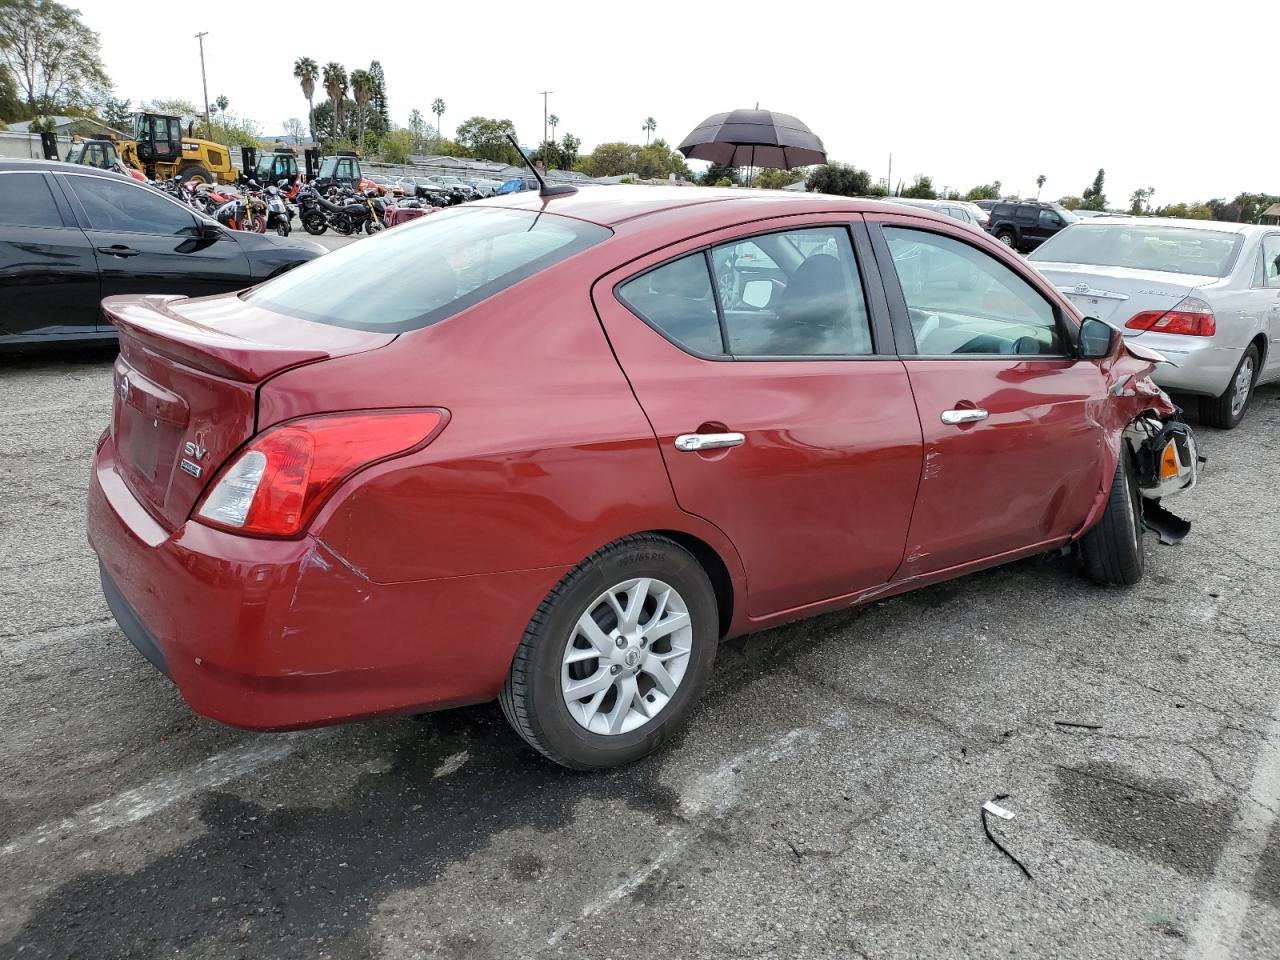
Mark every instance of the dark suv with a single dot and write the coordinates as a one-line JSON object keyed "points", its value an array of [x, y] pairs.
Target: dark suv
{"points": [[1024, 226]]}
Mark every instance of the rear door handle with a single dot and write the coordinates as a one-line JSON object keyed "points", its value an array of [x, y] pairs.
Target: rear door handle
{"points": [[119, 250], [690, 442], [966, 415]]}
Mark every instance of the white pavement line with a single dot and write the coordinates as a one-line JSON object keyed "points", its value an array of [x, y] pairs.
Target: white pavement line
{"points": [[1225, 905], [714, 792], [150, 798]]}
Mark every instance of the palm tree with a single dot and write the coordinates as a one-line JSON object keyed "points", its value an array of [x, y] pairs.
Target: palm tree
{"points": [[1040, 184], [362, 87], [553, 121], [650, 125], [221, 104], [438, 109], [415, 124], [306, 72], [335, 84]]}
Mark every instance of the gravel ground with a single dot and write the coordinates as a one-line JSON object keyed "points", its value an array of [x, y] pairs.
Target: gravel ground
{"points": [[823, 803]]}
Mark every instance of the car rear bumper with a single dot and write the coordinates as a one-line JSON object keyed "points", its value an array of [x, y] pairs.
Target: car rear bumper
{"points": [[274, 634], [1204, 366]]}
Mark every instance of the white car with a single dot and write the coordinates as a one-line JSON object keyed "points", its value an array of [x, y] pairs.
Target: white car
{"points": [[974, 218], [1203, 293]]}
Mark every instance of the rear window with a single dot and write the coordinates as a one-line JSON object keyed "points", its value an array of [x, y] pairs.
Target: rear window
{"points": [[1206, 253], [426, 271]]}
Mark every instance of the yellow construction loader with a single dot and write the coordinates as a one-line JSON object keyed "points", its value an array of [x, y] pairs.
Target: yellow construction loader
{"points": [[160, 151]]}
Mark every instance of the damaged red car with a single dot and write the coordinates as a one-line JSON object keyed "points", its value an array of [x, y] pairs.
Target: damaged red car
{"points": [[552, 449]]}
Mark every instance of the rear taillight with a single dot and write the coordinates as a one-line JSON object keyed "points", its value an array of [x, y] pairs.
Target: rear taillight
{"points": [[1192, 317], [275, 485]]}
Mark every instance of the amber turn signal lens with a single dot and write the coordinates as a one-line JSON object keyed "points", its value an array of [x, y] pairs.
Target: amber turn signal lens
{"points": [[1169, 461]]}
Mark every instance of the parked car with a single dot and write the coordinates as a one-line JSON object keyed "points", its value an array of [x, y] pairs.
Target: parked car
{"points": [[552, 450], [517, 185], [70, 235], [1027, 224], [1206, 294], [985, 205], [980, 217], [484, 187], [954, 209]]}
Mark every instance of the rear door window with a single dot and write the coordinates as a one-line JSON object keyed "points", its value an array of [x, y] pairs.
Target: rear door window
{"points": [[962, 301], [794, 294], [1271, 261], [25, 201], [1026, 213]]}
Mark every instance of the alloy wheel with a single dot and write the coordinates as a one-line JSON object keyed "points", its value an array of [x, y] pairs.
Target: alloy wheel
{"points": [[1243, 384], [626, 656]]}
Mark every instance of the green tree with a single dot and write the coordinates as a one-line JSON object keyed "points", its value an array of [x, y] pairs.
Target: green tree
{"points": [[486, 138], [1070, 203], [186, 111], [306, 71], [921, 189], [115, 113], [569, 145], [1094, 196], [653, 161], [985, 191], [221, 104], [714, 173], [1140, 200], [416, 124], [770, 179], [362, 87], [650, 125], [53, 59], [553, 121], [335, 85], [10, 102], [396, 146], [1040, 184], [437, 107], [841, 179], [378, 100]]}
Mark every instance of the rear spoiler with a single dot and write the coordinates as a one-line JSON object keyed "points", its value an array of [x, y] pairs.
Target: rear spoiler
{"points": [[150, 321]]}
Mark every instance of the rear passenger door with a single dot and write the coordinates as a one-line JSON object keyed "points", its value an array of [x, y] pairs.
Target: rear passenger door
{"points": [[1013, 452], [780, 409], [48, 274]]}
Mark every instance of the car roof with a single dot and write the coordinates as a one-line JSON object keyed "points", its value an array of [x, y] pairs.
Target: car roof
{"points": [[613, 204], [59, 166], [1220, 226]]}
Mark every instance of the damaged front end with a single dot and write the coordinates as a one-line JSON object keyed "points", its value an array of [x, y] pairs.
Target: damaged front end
{"points": [[1167, 463]]}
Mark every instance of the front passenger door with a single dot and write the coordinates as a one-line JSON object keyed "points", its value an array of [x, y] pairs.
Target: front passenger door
{"points": [[147, 243], [1012, 453]]}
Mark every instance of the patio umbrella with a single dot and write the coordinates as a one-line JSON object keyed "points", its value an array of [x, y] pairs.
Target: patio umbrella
{"points": [[750, 138]]}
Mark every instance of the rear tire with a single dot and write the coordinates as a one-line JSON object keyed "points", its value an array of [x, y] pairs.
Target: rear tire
{"points": [[567, 729], [1008, 239], [314, 225], [1226, 411], [1112, 553]]}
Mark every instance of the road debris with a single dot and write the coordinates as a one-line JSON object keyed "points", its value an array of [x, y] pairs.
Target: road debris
{"points": [[990, 807]]}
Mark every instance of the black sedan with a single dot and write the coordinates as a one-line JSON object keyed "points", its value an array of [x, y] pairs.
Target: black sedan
{"points": [[71, 235]]}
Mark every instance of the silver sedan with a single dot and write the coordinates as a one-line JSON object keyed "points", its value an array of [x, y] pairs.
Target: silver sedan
{"points": [[1203, 293]]}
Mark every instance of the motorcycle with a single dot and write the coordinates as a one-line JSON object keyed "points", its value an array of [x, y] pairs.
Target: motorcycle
{"points": [[279, 216], [246, 211]]}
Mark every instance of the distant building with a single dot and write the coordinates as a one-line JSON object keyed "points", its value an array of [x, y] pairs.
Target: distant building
{"points": [[1271, 214], [70, 126]]}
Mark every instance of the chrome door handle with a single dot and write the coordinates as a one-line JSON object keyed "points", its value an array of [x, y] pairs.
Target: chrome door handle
{"points": [[708, 441], [969, 415]]}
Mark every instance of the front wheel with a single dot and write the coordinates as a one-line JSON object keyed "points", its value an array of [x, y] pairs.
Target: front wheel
{"points": [[314, 224], [1111, 553], [615, 656], [1226, 411], [1008, 239]]}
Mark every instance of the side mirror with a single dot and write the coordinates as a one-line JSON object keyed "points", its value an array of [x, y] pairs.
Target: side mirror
{"points": [[209, 231], [1096, 339]]}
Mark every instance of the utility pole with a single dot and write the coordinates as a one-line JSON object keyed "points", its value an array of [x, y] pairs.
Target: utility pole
{"points": [[890, 180], [208, 127], [545, 94]]}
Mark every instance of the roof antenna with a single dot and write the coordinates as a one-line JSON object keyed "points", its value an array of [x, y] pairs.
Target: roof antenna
{"points": [[544, 190]]}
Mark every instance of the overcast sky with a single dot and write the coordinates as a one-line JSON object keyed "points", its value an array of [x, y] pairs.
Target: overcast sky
{"points": [[1175, 96]]}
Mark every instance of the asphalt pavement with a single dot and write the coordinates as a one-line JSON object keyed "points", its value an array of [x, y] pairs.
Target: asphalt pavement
{"points": [[824, 802]]}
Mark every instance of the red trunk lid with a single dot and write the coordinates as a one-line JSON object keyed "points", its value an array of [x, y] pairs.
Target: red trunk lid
{"points": [[186, 386]]}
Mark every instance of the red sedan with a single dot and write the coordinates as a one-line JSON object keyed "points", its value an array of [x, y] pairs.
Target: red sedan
{"points": [[553, 449]]}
